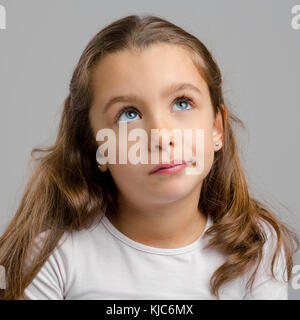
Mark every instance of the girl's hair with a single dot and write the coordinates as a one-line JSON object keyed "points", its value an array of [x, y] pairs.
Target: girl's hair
{"points": [[67, 191]]}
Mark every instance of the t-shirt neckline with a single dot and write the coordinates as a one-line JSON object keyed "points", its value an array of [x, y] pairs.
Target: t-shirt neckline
{"points": [[155, 250]]}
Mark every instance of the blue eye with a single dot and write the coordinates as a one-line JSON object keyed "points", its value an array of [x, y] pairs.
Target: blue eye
{"points": [[185, 103], [127, 115]]}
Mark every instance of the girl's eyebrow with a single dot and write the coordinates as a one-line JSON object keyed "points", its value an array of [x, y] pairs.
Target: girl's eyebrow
{"points": [[167, 91]]}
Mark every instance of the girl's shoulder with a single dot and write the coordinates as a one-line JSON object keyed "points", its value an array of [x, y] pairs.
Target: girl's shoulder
{"points": [[65, 245], [69, 258]]}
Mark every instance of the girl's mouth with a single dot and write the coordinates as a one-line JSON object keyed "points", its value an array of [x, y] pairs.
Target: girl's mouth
{"points": [[169, 168]]}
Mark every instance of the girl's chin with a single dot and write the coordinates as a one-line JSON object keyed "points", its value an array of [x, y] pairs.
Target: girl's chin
{"points": [[171, 192]]}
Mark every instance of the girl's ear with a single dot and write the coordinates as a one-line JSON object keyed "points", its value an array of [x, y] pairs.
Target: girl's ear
{"points": [[218, 131], [102, 167]]}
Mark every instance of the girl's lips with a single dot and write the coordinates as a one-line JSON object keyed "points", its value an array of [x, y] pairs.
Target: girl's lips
{"points": [[170, 170]]}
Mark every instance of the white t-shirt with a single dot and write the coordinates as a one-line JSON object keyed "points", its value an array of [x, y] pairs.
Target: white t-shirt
{"points": [[103, 263]]}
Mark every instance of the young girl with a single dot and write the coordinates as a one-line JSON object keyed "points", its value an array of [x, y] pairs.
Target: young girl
{"points": [[86, 230]]}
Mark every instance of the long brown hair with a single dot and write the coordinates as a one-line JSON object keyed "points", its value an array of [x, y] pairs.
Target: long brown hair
{"points": [[67, 191]]}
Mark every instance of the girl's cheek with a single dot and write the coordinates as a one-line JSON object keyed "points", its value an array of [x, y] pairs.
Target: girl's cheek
{"points": [[206, 146]]}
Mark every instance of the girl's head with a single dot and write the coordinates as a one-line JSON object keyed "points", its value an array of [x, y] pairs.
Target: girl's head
{"points": [[146, 58], [153, 65], [153, 79]]}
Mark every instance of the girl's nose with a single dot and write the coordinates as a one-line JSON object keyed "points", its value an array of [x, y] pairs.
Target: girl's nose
{"points": [[159, 139], [160, 132]]}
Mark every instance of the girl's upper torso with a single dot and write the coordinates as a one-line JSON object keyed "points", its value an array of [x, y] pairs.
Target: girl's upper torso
{"points": [[103, 263]]}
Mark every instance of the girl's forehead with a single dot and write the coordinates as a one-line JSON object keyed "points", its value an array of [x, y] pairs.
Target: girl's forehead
{"points": [[156, 66]]}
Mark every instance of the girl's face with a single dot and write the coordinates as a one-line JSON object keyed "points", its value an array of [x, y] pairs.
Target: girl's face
{"points": [[148, 76]]}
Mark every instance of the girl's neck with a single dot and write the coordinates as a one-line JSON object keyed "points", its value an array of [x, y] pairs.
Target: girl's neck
{"points": [[171, 225]]}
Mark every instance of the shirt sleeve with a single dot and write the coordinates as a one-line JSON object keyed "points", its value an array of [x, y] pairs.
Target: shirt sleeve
{"points": [[265, 286], [51, 281]]}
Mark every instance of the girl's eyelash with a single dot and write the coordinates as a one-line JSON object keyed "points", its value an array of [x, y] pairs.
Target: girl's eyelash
{"points": [[127, 108], [185, 99], [131, 108]]}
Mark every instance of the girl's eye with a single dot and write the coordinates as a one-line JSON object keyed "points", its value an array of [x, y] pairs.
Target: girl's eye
{"points": [[127, 114], [187, 103]]}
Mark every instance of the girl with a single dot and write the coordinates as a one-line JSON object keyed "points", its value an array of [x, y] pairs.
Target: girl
{"points": [[86, 230]]}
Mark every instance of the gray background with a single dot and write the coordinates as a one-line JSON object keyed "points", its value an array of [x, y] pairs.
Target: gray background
{"points": [[253, 42]]}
